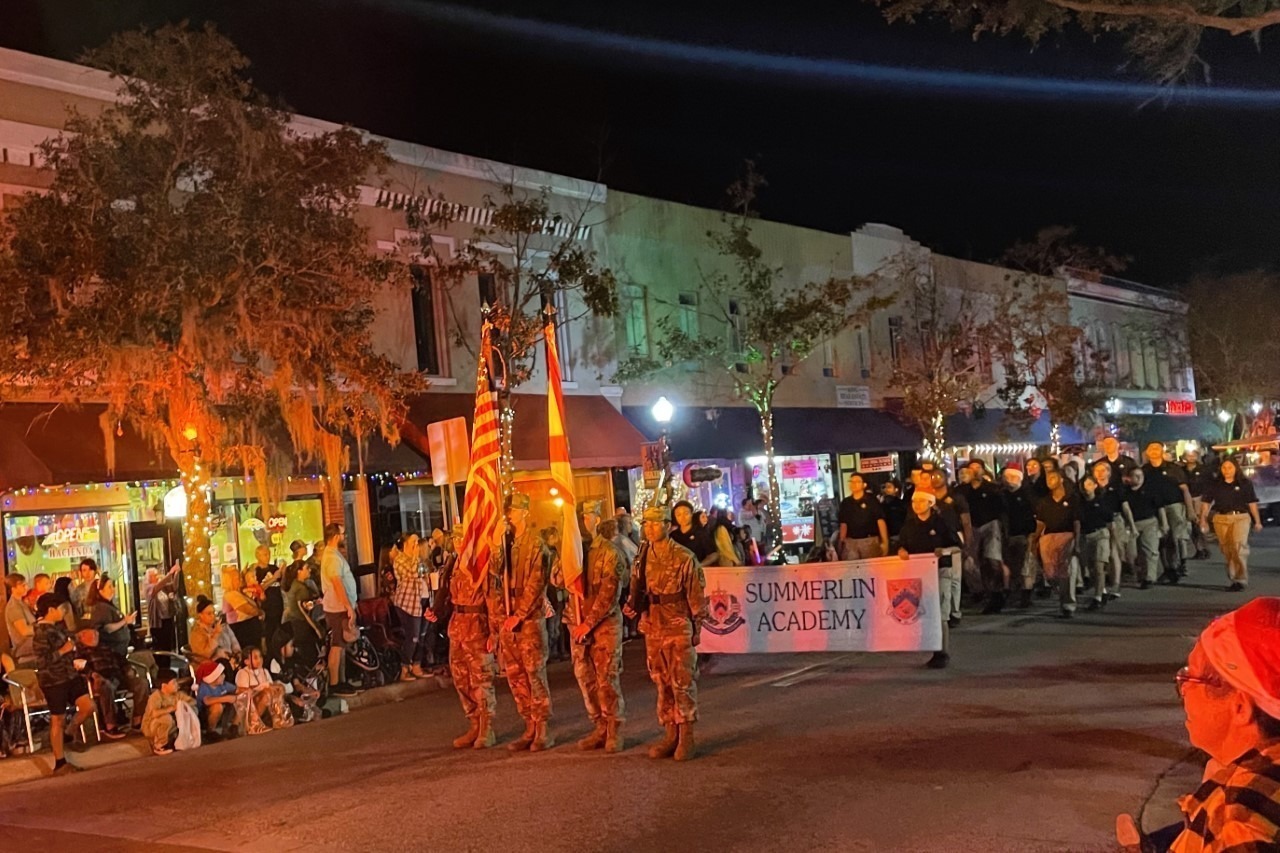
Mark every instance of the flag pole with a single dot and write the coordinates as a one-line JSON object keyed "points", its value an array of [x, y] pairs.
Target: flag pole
{"points": [[483, 368]]}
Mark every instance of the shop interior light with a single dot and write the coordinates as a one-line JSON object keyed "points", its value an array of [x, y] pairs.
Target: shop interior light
{"points": [[554, 491], [663, 410], [1257, 407], [559, 502]]}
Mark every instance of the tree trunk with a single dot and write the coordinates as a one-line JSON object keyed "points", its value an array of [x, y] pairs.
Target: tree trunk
{"points": [[773, 525], [196, 570]]}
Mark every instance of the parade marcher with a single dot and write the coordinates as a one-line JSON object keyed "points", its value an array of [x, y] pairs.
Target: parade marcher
{"points": [[1020, 515], [864, 532], [1058, 526], [895, 510], [926, 531], [1119, 534], [1147, 522], [518, 565], [1097, 514], [1167, 483], [469, 610], [1232, 499], [1198, 479], [1035, 479], [1230, 691], [955, 510], [667, 586], [595, 633], [986, 512], [1118, 464]]}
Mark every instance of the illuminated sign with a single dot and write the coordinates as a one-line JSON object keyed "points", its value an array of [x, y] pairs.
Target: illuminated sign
{"points": [[1177, 407], [71, 536]]}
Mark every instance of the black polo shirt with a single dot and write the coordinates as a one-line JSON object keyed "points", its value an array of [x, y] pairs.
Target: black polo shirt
{"points": [[1019, 507], [1121, 466], [984, 500], [1164, 483], [698, 540], [1198, 479], [925, 537], [1141, 504], [859, 516], [1096, 514], [1230, 497], [1036, 486], [1058, 516], [895, 512]]}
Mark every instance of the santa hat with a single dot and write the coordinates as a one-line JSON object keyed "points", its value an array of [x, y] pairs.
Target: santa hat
{"points": [[209, 671], [1244, 648]]}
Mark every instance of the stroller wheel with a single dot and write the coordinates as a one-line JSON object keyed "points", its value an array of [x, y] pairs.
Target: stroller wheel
{"points": [[391, 663]]}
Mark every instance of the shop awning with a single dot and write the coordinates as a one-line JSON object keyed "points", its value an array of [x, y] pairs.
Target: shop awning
{"points": [[734, 432], [599, 436], [50, 444], [1141, 429], [992, 427]]}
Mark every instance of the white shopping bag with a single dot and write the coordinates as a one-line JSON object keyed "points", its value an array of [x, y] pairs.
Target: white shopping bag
{"points": [[188, 727]]}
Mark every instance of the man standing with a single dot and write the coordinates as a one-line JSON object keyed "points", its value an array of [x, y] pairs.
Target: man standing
{"points": [[595, 632], [667, 588], [986, 511], [1114, 492], [864, 533], [1058, 526], [86, 574], [518, 564], [1097, 513], [1147, 523], [1168, 485], [895, 510], [62, 686], [1020, 515], [1118, 464], [1198, 478], [926, 531], [338, 587]]}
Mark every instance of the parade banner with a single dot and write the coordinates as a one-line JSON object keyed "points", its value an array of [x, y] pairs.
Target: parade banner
{"points": [[883, 605]]}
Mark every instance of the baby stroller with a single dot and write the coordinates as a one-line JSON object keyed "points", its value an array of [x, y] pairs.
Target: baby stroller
{"points": [[363, 661], [373, 615]]}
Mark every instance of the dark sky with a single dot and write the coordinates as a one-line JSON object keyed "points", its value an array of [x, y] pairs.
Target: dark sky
{"points": [[966, 146]]}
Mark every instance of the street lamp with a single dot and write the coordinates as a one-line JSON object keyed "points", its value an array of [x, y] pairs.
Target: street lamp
{"points": [[663, 411], [1224, 416]]}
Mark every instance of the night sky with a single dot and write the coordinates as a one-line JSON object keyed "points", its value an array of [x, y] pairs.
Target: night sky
{"points": [[966, 146]]}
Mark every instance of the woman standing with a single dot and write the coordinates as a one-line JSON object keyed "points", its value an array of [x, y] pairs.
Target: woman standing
{"points": [[163, 609], [112, 625], [299, 593], [267, 578], [1233, 501], [243, 614], [722, 536], [410, 591]]}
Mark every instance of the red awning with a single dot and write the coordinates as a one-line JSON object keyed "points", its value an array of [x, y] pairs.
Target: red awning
{"points": [[599, 435]]}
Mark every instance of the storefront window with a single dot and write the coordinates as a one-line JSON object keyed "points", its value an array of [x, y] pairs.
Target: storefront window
{"points": [[54, 544], [803, 481], [239, 528]]}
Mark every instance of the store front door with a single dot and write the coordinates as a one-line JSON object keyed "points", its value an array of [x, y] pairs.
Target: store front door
{"points": [[154, 547]]}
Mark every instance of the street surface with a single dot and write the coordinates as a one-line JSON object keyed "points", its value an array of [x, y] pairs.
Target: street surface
{"points": [[1038, 734]]}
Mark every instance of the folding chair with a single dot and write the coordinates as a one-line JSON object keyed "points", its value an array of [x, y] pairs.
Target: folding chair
{"points": [[24, 690]]}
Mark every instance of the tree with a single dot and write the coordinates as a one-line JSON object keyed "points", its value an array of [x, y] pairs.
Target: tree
{"points": [[529, 272], [776, 328], [1233, 343], [1055, 247], [1047, 360], [1164, 36], [196, 264], [937, 361]]}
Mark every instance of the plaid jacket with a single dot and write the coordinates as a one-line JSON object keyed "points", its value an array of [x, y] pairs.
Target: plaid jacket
{"points": [[1237, 807]]}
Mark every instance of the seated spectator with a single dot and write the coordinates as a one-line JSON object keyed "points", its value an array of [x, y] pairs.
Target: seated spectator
{"points": [[211, 640], [20, 620], [1230, 691], [261, 696], [110, 672], [103, 615], [300, 692], [214, 695], [60, 680], [40, 584], [160, 722], [62, 589]]}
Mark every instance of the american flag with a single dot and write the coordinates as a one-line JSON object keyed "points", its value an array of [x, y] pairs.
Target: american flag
{"points": [[482, 507], [561, 470]]}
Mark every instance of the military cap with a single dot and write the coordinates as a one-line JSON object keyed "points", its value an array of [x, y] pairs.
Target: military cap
{"points": [[590, 507], [458, 531], [656, 513], [518, 500]]}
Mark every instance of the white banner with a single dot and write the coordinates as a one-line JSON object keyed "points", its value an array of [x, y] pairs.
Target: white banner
{"points": [[882, 605]]}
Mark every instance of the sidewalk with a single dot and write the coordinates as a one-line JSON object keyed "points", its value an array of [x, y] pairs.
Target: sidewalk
{"points": [[24, 768], [1161, 808]]}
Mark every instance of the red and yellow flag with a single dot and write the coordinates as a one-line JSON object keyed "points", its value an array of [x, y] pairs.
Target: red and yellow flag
{"points": [[482, 506], [561, 469]]}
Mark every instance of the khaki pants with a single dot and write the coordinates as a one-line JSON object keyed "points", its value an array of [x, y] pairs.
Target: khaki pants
{"points": [[1144, 542], [948, 595], [1119, 547], [1017, 556], [1176, 545], [861, 549], [1055, 554], [1232, 530], [1097, 555]]}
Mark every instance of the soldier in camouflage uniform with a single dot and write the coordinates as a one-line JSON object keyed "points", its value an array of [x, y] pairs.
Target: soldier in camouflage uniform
{"points": [[667, 586], [523, 637], [596, 635], [466, 606]]}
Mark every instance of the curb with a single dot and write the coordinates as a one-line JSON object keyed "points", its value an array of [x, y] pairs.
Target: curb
{"points": [[25, 768]]}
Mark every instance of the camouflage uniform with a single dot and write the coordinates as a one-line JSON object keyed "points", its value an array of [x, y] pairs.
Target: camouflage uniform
{"points": [[597, 662], [673, 582], [470, 661], [524, 650]]}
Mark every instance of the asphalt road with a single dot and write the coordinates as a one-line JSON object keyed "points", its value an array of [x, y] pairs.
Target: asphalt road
{"points": [[1039, 733]]}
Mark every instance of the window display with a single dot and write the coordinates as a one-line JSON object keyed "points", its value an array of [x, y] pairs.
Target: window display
{"points": [[803, 481]]}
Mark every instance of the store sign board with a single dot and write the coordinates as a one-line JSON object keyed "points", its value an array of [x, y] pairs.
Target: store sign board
{"points": [[71, 535], [797, 530], [853, 396], [881, 605], [800, 469], [450, 451], [651, 463], [875, 464], [72, 551]]}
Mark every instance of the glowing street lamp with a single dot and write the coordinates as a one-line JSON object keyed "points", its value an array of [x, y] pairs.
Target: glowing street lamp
{"points": [[663, 411]]}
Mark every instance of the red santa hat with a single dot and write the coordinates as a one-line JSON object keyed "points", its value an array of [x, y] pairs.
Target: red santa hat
{"points": [[1244, 648]]}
